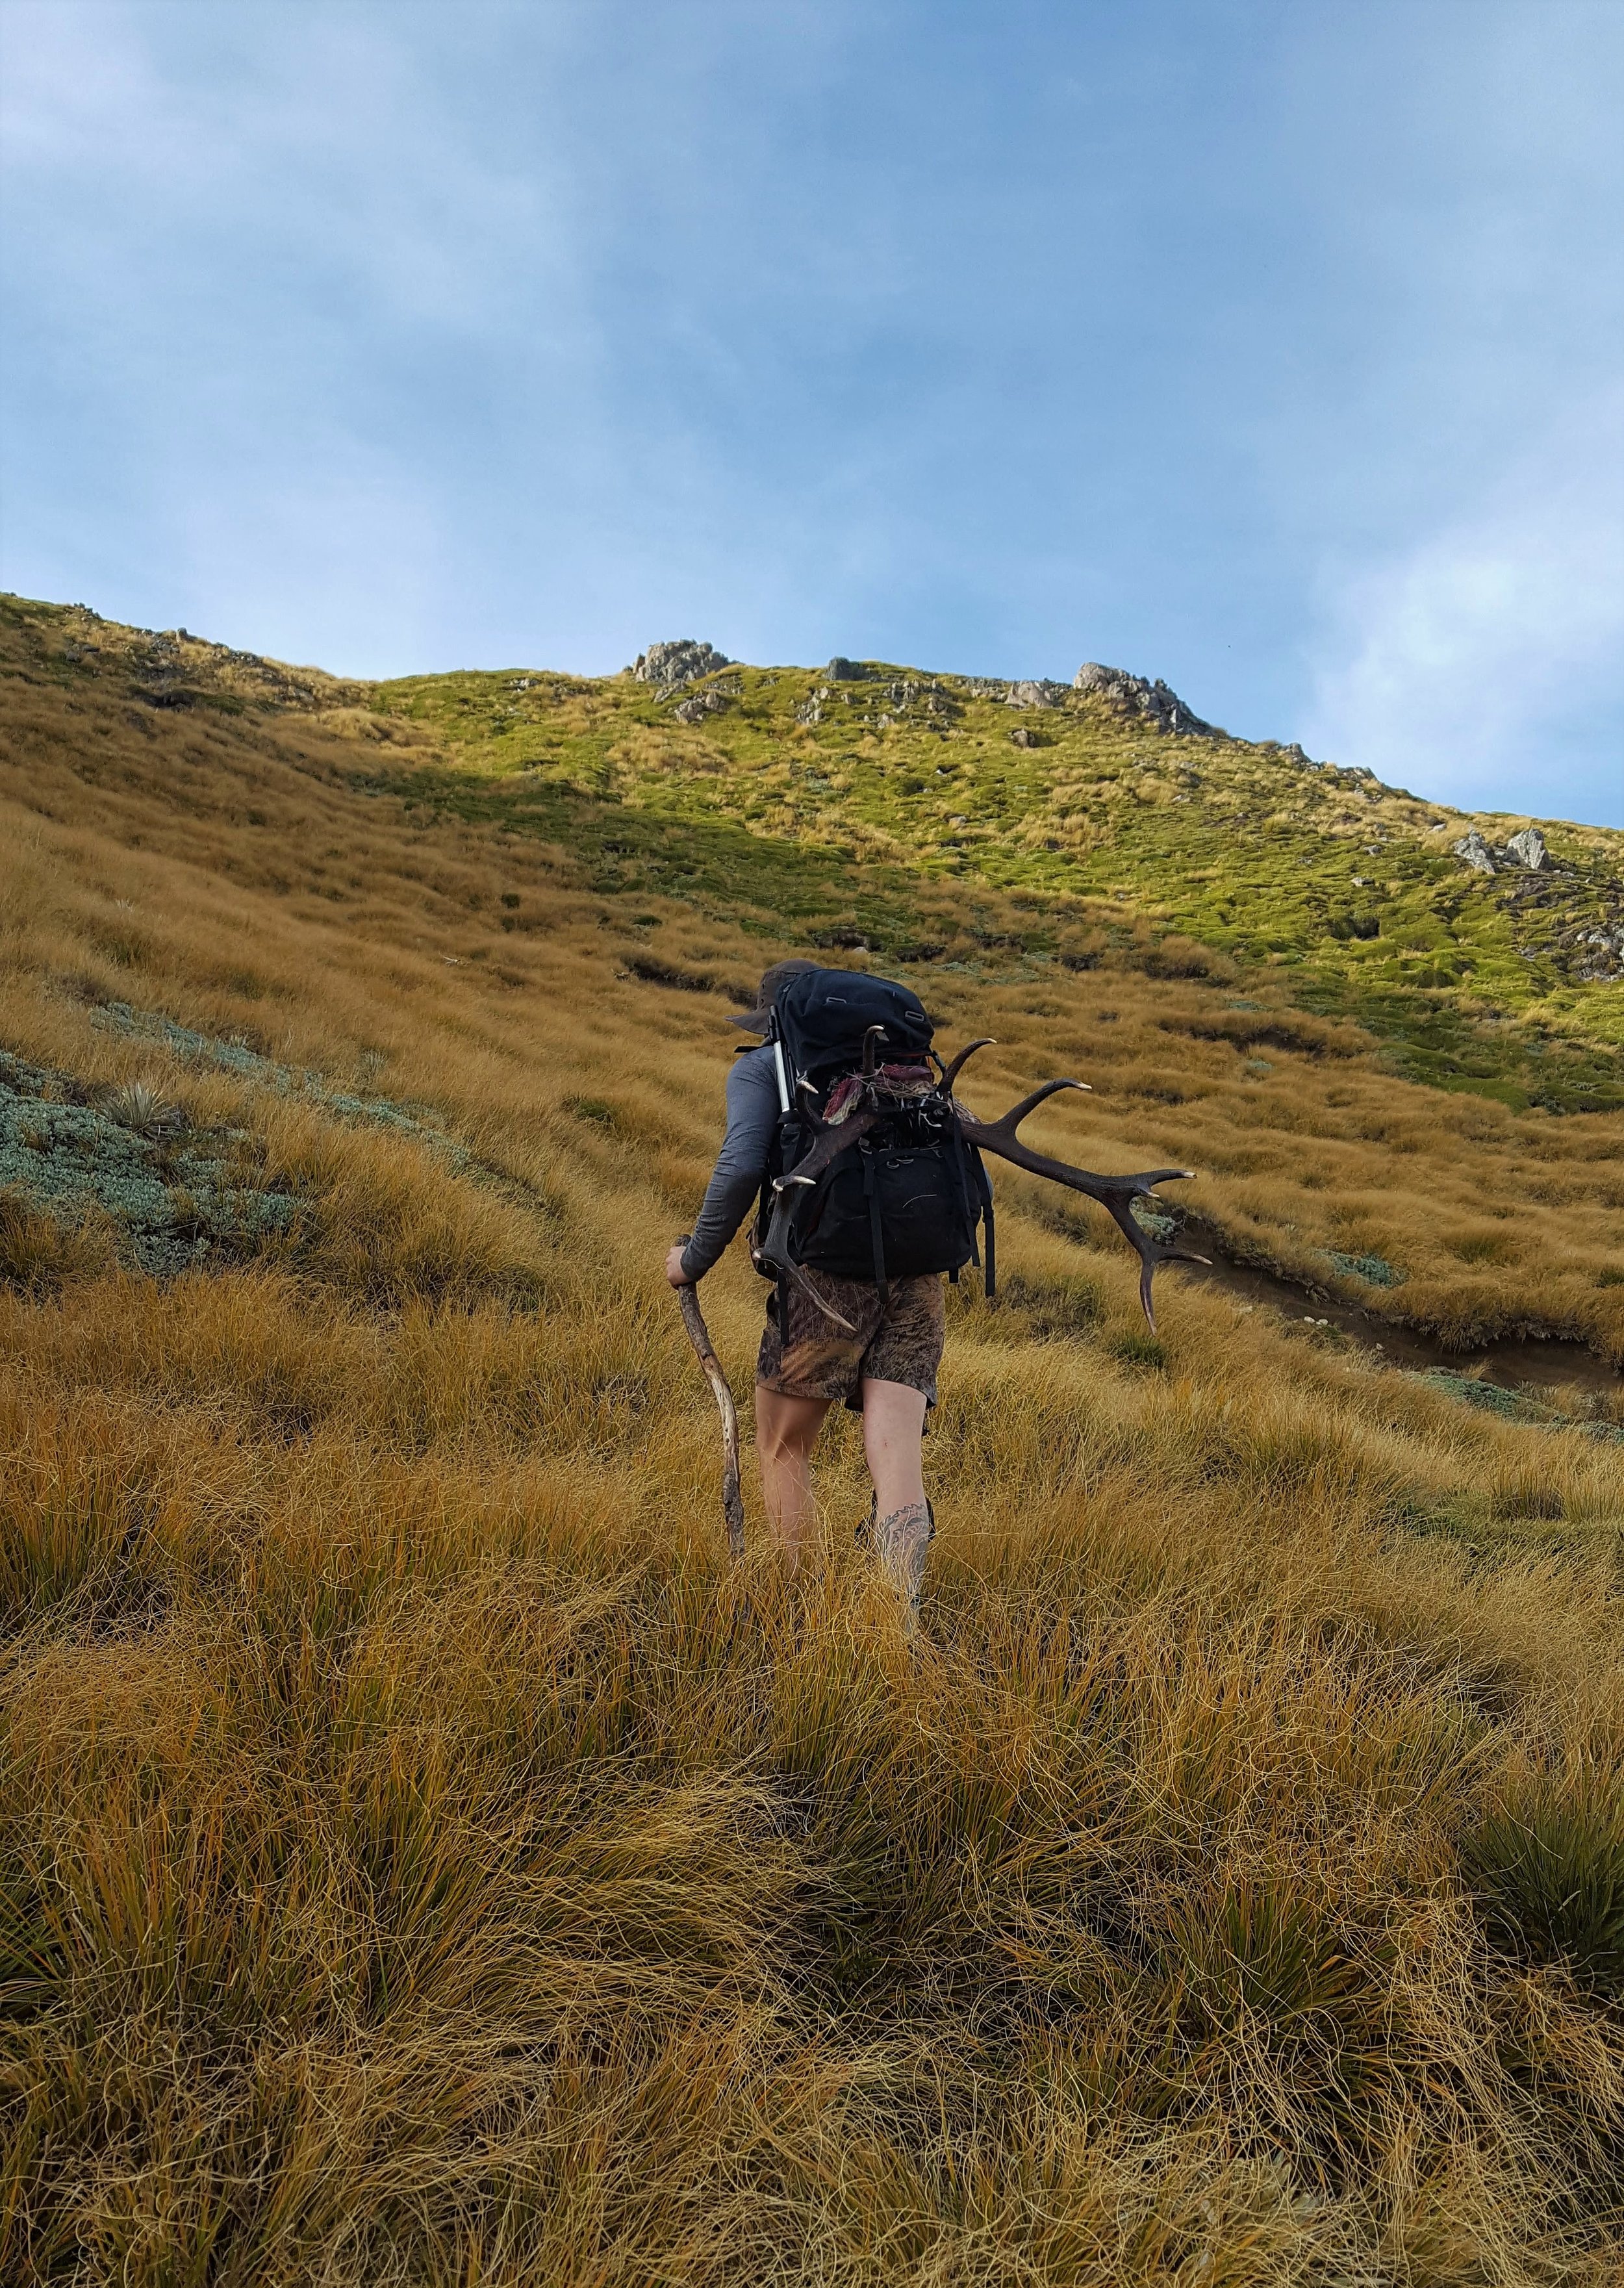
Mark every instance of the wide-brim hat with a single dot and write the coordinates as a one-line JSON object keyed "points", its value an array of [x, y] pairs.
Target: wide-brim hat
{"points": [[759, 1019]]}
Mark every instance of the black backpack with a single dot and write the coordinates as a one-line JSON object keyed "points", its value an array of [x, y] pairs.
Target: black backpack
{"points": [[907, 1197]]}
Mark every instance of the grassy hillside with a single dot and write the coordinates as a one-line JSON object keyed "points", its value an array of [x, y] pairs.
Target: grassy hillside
{"points": [[1350, 888], [883, 810], [427, 1860]]}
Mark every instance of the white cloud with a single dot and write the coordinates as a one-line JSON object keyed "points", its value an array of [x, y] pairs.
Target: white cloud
{"points": [[1464, 666]]}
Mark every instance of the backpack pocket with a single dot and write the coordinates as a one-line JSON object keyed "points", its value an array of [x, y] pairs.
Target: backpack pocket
{"points": [[924, 1197]]}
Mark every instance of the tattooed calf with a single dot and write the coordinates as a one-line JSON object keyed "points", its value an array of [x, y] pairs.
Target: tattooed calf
{"points": [[901, 1540]]}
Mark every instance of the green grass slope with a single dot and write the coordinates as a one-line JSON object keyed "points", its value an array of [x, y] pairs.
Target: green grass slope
{"points": [[1349, 887], [908, 814]]}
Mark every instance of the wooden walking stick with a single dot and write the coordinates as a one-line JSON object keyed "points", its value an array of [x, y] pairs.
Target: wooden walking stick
{"points": [[733, 1499]]}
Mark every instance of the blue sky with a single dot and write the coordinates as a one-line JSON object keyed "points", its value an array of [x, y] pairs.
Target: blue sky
{"points": [[1273, 346]]}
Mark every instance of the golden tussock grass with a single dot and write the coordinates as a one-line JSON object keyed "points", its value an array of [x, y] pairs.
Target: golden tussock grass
{"points": [[427, 1860]]}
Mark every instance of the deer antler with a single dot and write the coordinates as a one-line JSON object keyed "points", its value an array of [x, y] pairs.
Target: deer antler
{"points": [[1113, 1193]]}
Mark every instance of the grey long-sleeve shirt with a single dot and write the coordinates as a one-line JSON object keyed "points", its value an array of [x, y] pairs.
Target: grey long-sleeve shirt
{"points": [[752, 1116]]}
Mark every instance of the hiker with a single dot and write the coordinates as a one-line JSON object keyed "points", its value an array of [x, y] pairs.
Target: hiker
{"points": [[868, 1176], [882, 1364]]}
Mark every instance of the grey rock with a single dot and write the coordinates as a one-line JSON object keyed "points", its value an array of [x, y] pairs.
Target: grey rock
{"points": [[1133, 694], [847, 670], [1600, 957], [1474, 852], [1037, 694], [1527, 849], [680, 661]]}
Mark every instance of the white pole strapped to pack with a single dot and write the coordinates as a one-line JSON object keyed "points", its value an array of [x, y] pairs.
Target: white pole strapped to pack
{"points": [[783, 1081]]}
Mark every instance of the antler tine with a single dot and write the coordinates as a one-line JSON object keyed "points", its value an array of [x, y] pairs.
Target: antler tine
{"points": [[1017, 1113], [1150, 1251], [961, 1059], [1114, 1193]]}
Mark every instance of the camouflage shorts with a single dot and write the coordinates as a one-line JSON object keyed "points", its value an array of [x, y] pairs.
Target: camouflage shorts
{"points": [[898, 1340]]}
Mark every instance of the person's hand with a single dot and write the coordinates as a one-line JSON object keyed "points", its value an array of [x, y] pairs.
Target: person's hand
{"points": [[674, 1271]]}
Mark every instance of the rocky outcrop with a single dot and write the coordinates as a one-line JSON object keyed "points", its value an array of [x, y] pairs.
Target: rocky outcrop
{"points": [[1132, 695], [916, 702], [847, 670], [1525, 849], [922, 701], [714, 700], [681, 661], [1035, 695]]}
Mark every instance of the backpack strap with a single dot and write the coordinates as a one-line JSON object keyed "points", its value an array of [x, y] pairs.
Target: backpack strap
{"points": [[961, 1155], [875, 1233], [989, 1274]]}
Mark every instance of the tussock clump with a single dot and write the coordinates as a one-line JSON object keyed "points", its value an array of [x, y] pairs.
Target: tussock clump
{"points": [[39, 1251], [1546, 1861]]}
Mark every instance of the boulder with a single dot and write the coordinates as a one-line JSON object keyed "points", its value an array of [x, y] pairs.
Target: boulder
{"points": [[846, 670], [1526, 849], [1474, 851], [680, 661], [1035, 695]]}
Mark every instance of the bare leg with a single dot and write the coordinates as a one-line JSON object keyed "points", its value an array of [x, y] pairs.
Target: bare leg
{"points": [[893, 1426], [785, 1432]]}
